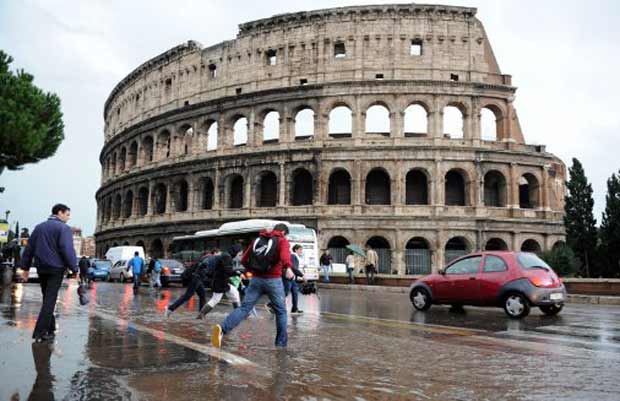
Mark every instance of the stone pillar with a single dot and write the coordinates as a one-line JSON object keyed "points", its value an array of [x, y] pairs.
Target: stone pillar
{"points": [[248, 194], [545, 188], [398, 187], [150, 210], [135, 207], [216, 190], [223, 132], [170, 203], [397, 124], [357, 184], [358, 128], [439, 192], [255, 134], [286, 126], [474, 120], [478, 186], [513, 182], [191, 193], [435, 119], [282, 186]]}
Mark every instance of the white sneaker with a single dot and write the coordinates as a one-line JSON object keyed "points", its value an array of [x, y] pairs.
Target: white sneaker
{"points": [[216, 336]]}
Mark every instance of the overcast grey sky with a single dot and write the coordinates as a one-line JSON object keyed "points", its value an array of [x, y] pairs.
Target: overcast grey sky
{"points": [[563, 56]]}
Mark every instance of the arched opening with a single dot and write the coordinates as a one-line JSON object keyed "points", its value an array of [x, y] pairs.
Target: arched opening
{"points": [[235, 194], [416, 188], [157, 249], [558, 245], [416, 121], [378, 188], [240, 131], [181, 196], [116, 209], [529, 192], [271, 127], [455, 248], [494, 189], [531, 245], [113, 165], [418, 256], [147, 149], [163, 145], [496, 244], [143, 201], [128, 205], [489, 126], [160, 198], [212, 136], [302, 188], [455, 189], [108, 209], [340, 121], [453, 122], [122, 159], [186, 140], [141, 243], [133, 155], [337, 249], [267, 190], [378, 120], [382, 247], [339, 192], [207, 193], [304, 123], [125, 243]]}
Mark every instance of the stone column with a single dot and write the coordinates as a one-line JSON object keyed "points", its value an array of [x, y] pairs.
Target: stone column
{"points": [[191, 193], [358, 119], [282, 186], [255, 136], [397, 124], [248, 194], [545, 188], [170, 203], [357, 184], [398, 193], [150, 210], [216, 190], [514, 186], [474, 119], [439, 194], [286, 126], [435, 119]]}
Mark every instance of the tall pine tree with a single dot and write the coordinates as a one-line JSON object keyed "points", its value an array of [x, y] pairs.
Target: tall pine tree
{"points": [[610, 229], [581, 233]]}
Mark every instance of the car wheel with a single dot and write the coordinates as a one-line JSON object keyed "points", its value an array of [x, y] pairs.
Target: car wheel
{"points": [[421, 299], [516, 306], [122, 278], [551, 310], [108, 277]]}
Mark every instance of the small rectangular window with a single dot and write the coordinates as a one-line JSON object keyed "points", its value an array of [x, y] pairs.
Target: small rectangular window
{"points": [[454, 77], [378, 76], [213, 70], [168, 81], [186, 103], [340, 50], [271, 56], [416, 47], [238, 91], [303, 81]]}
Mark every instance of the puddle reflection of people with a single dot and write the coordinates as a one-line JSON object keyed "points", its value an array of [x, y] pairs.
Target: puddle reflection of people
{"points": [[43, 387]]}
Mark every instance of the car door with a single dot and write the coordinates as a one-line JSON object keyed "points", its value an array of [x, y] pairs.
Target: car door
{"points": [[493, 276], [460, 282]]}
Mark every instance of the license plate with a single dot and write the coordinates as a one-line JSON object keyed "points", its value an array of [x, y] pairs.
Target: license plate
{"points": [[556, 296]]}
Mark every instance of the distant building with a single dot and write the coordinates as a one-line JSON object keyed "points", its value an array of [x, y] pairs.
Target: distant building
{"points": [[77, 240], [88, 246]]}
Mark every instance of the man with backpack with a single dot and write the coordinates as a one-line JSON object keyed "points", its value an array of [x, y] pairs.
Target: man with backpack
{"points": [[136, 264], [155, 267], [267, 257]]}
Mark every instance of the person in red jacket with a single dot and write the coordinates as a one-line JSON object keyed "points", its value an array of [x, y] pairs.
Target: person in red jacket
{"points": [[267, 283]]}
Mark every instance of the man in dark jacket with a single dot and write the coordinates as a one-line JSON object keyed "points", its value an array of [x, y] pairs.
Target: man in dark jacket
{"points": [[51, 247], [220, 285], [84, 264], [263, 283], [291, 285]]}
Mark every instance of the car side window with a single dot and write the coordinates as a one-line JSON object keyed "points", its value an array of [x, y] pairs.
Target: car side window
{"points": [[465, 266], [494, 264]]}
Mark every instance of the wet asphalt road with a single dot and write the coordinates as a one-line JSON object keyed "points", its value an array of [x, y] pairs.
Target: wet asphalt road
{"points": [[347, 345]]}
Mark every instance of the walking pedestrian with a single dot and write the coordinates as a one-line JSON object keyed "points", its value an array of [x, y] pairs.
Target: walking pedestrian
{"points": [[51, 246], [267, 257], [220, 284], [136, 265], [326, 262], [372, 260], [156, 273], [199, 278], [350, 263], [291, 285], [84, 265]]}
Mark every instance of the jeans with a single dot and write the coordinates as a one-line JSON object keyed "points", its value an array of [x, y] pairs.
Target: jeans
{"points": [[292, 287], [195, 286], [136, 281], [273, 288], [50, 279], [325, 269], [350, 271], [156, 279]]}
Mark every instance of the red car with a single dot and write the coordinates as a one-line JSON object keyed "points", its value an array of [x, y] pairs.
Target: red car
{"points": [[515, 281]]}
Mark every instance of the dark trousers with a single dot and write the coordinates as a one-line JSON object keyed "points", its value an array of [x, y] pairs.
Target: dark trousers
{"points": [[370, 274], [136, 281], [292, 287], [50, 279], [195, 286]]}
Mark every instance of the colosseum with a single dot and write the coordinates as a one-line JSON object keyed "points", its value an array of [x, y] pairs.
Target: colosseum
{"points": [[337, 119]]}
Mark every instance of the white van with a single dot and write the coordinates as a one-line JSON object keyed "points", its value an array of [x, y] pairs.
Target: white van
{"points": [[123, 253]]}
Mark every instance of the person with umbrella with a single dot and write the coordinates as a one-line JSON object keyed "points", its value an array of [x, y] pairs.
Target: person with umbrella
{"points": [[350, 260]]}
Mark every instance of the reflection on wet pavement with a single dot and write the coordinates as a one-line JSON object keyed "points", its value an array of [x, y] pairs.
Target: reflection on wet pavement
{"points": [[362, 346]]}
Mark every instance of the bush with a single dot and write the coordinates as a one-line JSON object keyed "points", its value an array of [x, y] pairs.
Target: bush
{"points": [[562, 260]]}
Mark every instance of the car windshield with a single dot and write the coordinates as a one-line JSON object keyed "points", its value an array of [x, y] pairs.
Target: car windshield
{"points": [[531, 261], [170, 263], [103, 264]]}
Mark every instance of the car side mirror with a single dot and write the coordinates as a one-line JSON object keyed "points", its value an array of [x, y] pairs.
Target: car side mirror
{"points": [[442, 272]]}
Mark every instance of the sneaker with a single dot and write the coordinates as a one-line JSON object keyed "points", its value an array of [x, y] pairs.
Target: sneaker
{"points": [[167, 312], [216, 336], [296, 312]]}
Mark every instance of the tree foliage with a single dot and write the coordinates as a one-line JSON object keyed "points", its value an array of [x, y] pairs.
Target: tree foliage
{"points": [[31, 127], [581, 232], [610, 229], [562, 259]]}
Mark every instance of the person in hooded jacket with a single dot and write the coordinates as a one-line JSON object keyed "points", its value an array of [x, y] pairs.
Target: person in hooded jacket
{"points": [[263, 283], [220, 283], [197, 283]]}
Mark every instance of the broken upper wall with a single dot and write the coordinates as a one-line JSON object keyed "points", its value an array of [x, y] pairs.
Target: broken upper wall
{"points": [[392, 42]]}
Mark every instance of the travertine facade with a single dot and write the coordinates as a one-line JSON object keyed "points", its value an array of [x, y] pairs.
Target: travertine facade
{"points": [[315, 117]]}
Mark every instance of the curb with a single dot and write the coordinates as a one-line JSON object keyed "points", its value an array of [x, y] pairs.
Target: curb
{"points": [[571, 298]]}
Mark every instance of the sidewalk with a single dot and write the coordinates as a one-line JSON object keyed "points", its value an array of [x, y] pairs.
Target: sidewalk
{"points": [[572, 298]]}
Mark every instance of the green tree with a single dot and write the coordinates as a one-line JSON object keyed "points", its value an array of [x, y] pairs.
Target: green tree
{"points": [[562, 259], [31, 127], [610, 229], [581, 232]]}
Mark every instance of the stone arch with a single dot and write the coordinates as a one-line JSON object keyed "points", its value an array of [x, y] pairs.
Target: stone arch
{"points": [[378, 187], [456, 188], [125, 243], [141, 243], [491, 123], [207, 193], [339, 189], [163, 145], [180, 195], [267, 189], [454, 120], [384, 251], [160, 198], [147, 149], [455, 248], [495, 189], [271, 125], [378, 119], [531, 245], [132, 159], [418, 256], [304, 121], [184, 140], [157, 249], [341, 120], [143, 201], [529, 191], [303, 188], [240, 130], [416, 187], [416, 119], [496, 244], [116, 208], [128, 204], [337, 248], [210, 128], [558, 244], [113, 165], [235, 191]]}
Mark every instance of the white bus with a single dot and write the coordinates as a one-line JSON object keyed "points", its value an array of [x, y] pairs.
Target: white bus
{"points": [[189, 248]]}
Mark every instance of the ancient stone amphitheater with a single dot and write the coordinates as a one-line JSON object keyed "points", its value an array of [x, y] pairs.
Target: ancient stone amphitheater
{"points": [[336, 119]]}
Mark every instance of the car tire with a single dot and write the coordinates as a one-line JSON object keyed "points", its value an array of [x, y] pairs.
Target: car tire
{"points": [[122, 278], [516, 305], [420, 298], [108, 277], [551, 310]]}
